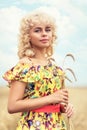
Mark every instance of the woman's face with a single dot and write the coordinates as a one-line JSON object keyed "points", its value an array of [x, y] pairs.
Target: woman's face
{"points": [[41, 36]]}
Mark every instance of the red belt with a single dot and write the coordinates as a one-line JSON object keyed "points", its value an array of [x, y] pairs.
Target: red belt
{"points": [[48, 108]]}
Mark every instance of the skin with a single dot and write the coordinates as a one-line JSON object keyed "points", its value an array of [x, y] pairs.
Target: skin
{"points": [[40, 37]]}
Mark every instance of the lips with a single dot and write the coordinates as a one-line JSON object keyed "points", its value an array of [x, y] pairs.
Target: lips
{"points": [[44, 40]]}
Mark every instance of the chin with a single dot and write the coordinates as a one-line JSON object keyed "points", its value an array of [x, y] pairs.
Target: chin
{"points": [[46, 45]]}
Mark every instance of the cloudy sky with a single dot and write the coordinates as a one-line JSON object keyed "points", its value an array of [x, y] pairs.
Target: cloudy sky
{"points": [[71, 18]]}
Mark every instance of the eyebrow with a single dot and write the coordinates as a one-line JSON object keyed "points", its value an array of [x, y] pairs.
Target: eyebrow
{"points": [[41, 27]]}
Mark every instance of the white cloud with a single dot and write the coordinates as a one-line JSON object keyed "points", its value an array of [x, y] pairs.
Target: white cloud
{"points": [[9, 19], [82, 52], [29, 1], [51, 2], [64, 5], [66, 28], [80, 2], [64, 23], [8, 59], [9, 26]]}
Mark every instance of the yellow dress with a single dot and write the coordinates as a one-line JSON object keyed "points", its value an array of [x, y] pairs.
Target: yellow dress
{"points": [[41, 81]]}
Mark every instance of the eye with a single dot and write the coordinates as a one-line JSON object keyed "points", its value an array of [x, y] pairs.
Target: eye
{"points": [[48, 29], [37, 30]]}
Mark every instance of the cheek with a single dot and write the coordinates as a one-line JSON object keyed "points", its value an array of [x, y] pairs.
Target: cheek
{"points": [[34, 38], [51, 37]]}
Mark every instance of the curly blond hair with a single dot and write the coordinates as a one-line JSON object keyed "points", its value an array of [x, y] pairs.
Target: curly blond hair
{"points": [[36, 17]]}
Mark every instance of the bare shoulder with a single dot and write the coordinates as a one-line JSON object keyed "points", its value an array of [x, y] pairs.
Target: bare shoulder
{"points": [[25, 60]]}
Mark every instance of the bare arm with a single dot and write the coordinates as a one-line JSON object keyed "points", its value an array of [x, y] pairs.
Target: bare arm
{"points": [[17, 104]]}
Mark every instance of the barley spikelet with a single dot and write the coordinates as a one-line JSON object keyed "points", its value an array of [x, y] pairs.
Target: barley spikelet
{"points": [[70, 123]]}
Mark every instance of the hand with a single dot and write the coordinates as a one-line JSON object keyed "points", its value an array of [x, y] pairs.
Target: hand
{"points": [[60, 96], [69, 110]]}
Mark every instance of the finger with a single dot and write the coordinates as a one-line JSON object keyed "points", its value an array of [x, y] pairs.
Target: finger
{"points": [[65, 102], [65, 90], [65, 99], [65, 93], [69, 111], [69, 114], [69, 108]]}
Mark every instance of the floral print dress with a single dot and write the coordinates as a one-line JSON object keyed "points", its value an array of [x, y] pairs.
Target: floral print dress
{"points": [[41, 81]]}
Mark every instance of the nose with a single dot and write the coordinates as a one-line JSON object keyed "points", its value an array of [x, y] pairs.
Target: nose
{"points": [[44, 33]]}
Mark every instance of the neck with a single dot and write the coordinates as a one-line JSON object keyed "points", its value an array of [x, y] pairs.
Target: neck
{"points": [[40, 54]]}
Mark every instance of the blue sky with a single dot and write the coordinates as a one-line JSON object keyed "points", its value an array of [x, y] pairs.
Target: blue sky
{"points": [[71, 18]]}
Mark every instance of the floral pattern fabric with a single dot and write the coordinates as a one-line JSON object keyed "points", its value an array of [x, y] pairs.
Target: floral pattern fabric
{"points": [[41, 81]]}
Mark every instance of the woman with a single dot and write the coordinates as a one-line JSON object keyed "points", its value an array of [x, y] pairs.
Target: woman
{"points": [[36, 83]]}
